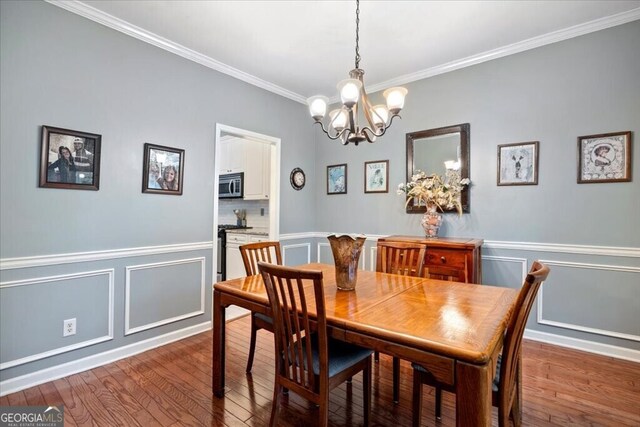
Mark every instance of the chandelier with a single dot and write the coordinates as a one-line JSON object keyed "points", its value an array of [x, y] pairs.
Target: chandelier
{"points": [[343, 122]]}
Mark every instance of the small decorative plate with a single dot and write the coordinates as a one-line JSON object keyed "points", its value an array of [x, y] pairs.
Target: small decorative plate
{"points": [[297, 178]]}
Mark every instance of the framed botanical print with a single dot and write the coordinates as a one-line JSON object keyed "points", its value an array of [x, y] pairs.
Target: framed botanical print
{"points": [[337, 179], [69, 159], [163, 169], [518, 163], [376, 176], [604, 158]]}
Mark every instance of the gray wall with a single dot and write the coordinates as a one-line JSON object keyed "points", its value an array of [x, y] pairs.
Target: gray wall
{"points": [[553, 94], [62, 70]]}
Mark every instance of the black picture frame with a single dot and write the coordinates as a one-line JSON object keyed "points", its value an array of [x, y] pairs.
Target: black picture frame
{"points": [[518, 163], [605, 157], [162, 170], [337, 179], [69, 159]]}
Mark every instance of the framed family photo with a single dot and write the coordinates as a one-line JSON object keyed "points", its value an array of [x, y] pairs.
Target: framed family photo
{"points": [[604, 158], [518, 163], [163, 170], [376, 176], [69, 159], [337, 179]]}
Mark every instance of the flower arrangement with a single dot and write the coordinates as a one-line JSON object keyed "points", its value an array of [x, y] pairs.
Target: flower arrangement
{"points": [[435, 190]]}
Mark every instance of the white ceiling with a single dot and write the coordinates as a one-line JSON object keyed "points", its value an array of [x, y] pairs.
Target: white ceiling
{"points": [[302, 48]]}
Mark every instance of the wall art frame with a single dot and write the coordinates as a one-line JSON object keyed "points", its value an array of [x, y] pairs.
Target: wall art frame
{"points": [[162, 170], [518, 163], [604, 157], [337, 179], [69, 159], [376, 176]]}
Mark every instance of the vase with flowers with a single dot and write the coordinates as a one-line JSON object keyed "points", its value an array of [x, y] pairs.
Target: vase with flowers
{"points": [[436, 193]]}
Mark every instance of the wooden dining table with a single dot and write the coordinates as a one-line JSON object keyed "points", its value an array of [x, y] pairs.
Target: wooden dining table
{"points": [[455, 330]]}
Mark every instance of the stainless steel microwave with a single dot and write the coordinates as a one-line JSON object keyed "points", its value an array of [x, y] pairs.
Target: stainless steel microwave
{"points": [[231, 186]]}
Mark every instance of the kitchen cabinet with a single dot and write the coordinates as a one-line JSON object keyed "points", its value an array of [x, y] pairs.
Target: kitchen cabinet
{"points": [[235, 266], [257, 170], [232, 155]]}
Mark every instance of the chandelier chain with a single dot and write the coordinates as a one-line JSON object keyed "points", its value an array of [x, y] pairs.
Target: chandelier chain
{"points": [[357, 33]]}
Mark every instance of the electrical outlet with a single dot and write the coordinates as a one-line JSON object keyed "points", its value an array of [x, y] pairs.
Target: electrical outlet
{"points": [[69, 327]]}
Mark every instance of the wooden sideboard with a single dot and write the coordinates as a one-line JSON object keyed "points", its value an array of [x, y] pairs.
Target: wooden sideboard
{"points": [[456, 259]]}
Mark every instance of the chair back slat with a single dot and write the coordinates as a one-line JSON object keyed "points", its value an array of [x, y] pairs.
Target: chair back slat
{"points": [[289, 293], [253, 253], [515, 330], [403, 258]]}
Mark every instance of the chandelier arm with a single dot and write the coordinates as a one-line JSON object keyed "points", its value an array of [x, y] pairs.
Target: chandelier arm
{"points": [[337, 136], [366, 105], [383, 129]]}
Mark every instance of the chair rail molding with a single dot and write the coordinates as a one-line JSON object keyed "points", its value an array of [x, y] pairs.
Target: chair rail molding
{"points": [[77, 257]]}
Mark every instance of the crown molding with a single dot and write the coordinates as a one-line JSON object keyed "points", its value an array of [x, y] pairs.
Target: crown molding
{"points": [[125, 27], [532, 43], [117, 24]]}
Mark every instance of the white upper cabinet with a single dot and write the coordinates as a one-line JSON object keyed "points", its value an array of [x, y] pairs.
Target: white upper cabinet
{"points": [[257, 170], [232, 155]]}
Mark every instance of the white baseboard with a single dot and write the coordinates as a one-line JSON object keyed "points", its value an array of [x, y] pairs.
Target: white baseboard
{"points": [[584, 345], [13, 385]]}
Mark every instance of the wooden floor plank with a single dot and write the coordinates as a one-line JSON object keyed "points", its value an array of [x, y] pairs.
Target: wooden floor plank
{"points": [[170, 386]]}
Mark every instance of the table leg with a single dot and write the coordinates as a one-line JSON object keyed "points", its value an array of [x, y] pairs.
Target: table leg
{"points": [[473, 391], [218, 356]]}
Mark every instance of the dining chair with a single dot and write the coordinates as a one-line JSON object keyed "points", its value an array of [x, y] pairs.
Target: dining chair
{"points": [[253, 253], [406, 259], [309, 362], [507, 382]]}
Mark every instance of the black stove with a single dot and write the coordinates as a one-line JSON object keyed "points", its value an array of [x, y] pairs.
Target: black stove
{"points": [[222, 247]]}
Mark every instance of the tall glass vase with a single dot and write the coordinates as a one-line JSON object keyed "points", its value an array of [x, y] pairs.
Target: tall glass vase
{"points": [[431, 221], [346, 253]]}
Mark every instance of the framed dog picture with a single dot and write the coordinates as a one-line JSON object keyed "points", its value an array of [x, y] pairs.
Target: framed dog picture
{"points": [[69, 159], [518, 163], [604, 158], [163, 170], [337, 179]]}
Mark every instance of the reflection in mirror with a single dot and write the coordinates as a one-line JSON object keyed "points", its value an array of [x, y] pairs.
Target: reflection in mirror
{"points": [[436, 150]]}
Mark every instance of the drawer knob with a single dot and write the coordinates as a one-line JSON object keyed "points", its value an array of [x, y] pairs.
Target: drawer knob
{"points": [[443, 259]]}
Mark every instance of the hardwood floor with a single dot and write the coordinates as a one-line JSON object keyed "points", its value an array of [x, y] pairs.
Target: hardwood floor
{"points": [[171, 386]]}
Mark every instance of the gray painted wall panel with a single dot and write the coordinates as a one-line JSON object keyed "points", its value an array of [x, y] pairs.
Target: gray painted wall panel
{"points": [[160, 292], [51, 301]]}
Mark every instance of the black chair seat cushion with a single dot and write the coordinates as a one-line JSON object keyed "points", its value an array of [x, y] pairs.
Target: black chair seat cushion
{"points": [[264, 318], [341, 355], [496, 379]]}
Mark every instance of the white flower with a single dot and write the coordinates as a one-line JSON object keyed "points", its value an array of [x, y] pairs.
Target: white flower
{"points": [[434, 189]]}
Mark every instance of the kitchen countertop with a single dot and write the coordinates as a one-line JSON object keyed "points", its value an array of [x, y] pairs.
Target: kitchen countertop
{"points": [[257, 231]]}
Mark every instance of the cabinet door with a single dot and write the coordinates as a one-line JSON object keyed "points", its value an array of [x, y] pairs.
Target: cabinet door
{"points": [[256, 174], [232, 156], [235, 267]]}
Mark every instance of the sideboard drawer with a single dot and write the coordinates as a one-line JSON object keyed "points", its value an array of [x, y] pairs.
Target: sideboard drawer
{"points": [[444, 257]]}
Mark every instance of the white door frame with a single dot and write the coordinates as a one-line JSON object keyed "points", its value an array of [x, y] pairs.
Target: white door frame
{"points": [[274, 185]]}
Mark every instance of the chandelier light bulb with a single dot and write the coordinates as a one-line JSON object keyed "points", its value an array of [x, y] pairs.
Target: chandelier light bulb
{"points": [[395, 98], [349, 91], [318, 106], [379, 114], [338, 119]]}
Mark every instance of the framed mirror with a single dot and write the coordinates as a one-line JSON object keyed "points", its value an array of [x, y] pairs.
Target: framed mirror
{"points": [[428, 150]]}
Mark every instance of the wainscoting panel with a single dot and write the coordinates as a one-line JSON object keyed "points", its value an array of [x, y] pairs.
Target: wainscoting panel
{"points": [[164, 292], [594, 298], [325, 256], [504, 271], [36, 308], [296, 254]]}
